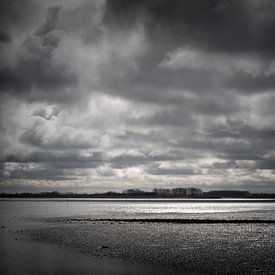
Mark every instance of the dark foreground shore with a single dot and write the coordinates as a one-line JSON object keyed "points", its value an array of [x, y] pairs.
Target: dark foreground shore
{"points": [[87, 246], [25, 251], [164, 248]]}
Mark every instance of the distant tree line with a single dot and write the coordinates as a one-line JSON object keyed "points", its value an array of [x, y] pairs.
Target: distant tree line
{"points": [[189, 192]]}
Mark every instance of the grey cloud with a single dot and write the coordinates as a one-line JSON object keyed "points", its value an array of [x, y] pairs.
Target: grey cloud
{"points": [[4, 37], [35, 70], [84, 21], [2, 170], [251, 84], [35, 67], [225, 165], [18, 14], [177, 117], [171, 171], [40, 174], [29, 171], [226, 147], [238, 129], [94, 76], [35, 138], [50, 22], [54, 157], [127, 160], [259, 163], [76, 164], [213, 25], [42, 112], [47, 166], [265, 164]]}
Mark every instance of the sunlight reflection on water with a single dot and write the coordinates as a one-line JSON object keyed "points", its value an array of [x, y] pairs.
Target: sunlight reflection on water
{"points": [[134, 208]]}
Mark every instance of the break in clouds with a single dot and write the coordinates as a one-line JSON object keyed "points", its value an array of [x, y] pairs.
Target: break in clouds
{"points": [[109, 95]]}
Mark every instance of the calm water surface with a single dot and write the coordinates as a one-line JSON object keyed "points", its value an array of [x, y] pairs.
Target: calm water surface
{"points": [[149, 208]]}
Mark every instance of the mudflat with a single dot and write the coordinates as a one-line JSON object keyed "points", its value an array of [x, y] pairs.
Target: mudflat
{"points": [[208, 248], [95, 237]]}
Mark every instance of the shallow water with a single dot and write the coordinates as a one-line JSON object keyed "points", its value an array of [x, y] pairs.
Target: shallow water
{"points": [[150, 208]]}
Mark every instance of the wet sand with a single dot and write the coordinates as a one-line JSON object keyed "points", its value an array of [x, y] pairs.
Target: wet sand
{"points": [[27, 251], [22, 256], [171, 247]]}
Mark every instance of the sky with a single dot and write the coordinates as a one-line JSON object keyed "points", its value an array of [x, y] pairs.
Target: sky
{"points": [[117, 94]]}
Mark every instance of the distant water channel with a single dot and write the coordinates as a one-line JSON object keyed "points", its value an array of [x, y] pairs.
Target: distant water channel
{"points": [[139, 208]]}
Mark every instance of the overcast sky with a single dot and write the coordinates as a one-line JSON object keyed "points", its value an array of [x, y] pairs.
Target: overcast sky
{"points": [[109, 95]]}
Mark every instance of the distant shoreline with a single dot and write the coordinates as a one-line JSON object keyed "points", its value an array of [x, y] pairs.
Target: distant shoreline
{"points": [[140, 199], [145, 195]]}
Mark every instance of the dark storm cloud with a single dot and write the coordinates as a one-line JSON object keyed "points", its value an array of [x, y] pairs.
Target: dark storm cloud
{"points": [[54, 157], [47, 166], [35, 67], [259, 163], [17, 14], [239, 129], [227, 148], [162, 90], [265, 164], [237, 140], [63, 141], [39, 174], [50, 22], [238, 143], [215, 25], [2, 170], [4, 37], [225, 26], [251, 84], [30, 171]]}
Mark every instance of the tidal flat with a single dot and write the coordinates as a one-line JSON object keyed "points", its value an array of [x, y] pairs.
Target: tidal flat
{"points": [[197, 248], [136, 238]]}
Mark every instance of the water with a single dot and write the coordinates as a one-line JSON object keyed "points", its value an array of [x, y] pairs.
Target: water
{"points": [[135, 208]]}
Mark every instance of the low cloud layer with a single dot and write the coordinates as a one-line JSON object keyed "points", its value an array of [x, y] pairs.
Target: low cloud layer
{"points": [[110, 95]]}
